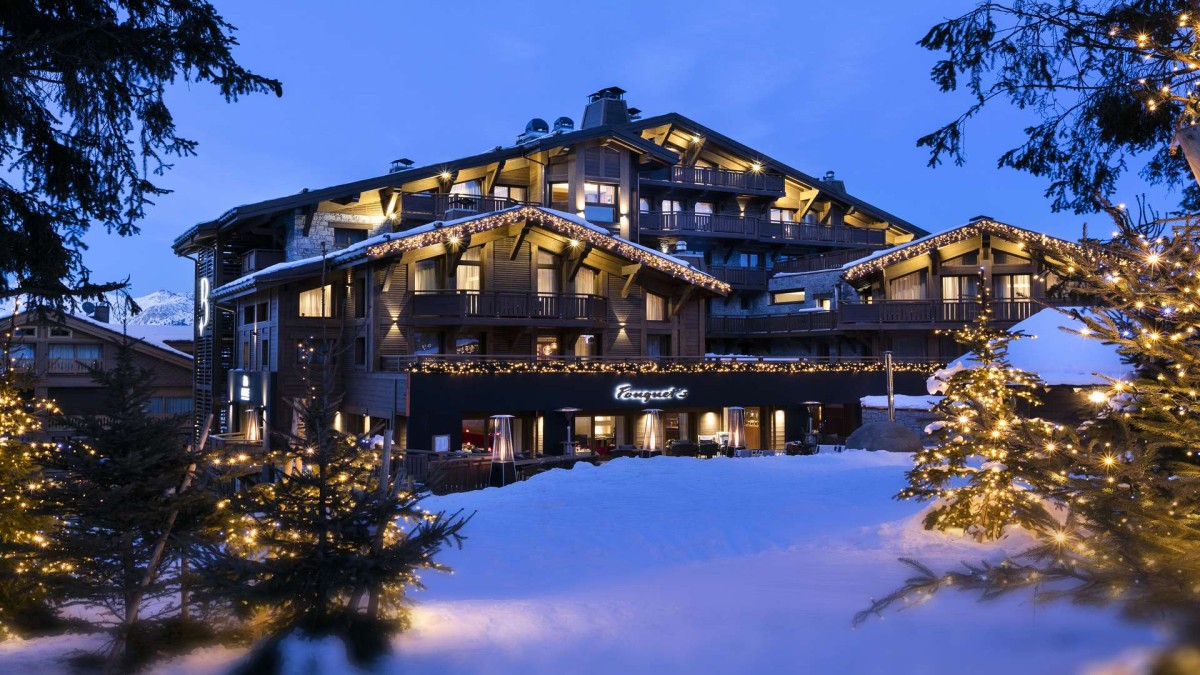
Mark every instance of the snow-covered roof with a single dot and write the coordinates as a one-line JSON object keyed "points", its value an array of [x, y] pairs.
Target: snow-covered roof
{"points": [[856, 269], [153, 335], [902, 401], [158, 336], [1059, 357], [384, 245]]}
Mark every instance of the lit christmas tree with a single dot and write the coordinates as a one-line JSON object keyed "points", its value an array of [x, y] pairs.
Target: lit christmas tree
{"points": [[325, 548], [23, 532], [1128, 478], [972, 468]]}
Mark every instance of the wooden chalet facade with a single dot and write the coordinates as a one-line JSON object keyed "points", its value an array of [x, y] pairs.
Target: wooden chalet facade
{"points": [[54, 353], [626, 239], [898, 299]]}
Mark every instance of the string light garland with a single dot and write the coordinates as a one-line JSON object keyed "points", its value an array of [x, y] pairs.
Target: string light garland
{"points": [[460, 230], [650, 367], [1011, 233]]}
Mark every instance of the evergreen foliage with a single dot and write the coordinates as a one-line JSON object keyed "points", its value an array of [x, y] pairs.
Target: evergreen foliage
{"points": [[116, 492], [1107, 82], [24, 604], [324, 547], [85, 128], [973, 469], [1127, 478]]}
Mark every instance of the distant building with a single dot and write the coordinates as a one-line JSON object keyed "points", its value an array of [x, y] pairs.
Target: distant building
{"points": [[57, 351]]}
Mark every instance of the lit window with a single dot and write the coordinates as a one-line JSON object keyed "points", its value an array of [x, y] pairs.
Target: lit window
{"points": [[317, 302], [425, 276], [783, 215], [558, 196], [787, 297], [825, 303], [656, 307], [511, 192]]}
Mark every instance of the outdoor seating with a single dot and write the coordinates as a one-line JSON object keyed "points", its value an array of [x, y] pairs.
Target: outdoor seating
{"points": [[708, 449], [683, 448]]}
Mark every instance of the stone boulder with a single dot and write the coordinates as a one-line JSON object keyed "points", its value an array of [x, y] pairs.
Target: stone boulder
{"points": [[888, 436]]}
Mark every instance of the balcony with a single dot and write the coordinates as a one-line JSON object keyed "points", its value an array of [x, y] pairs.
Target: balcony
{"points": [[426, 206], [740, 227], [464, 306], [747, 182], [936, 312], [822, 261], [771, 324], [740, 277]]}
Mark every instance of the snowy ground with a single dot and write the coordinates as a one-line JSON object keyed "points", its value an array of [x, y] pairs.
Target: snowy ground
{"points": [[669, 565]]}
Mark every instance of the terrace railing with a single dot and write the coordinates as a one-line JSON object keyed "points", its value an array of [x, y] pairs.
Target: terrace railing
{"points": [[503, 305], [725, 225], [771, 324], [954, 312]]}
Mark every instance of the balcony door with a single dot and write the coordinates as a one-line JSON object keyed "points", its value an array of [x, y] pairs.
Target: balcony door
{"points": [[911, 286], [960, 297]]}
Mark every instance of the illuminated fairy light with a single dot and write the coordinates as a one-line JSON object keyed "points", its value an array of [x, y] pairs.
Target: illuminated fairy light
{"points": [[574, 231], [1008, 232]]}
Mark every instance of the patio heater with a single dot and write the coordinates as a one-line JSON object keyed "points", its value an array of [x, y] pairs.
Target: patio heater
{"points": [[569, 444], [504, 468], [737, 427], [652, 439]]}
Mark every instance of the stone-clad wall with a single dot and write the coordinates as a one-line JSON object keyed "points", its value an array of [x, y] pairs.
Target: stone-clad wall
{"points": [[916, 420], [321, 232]]}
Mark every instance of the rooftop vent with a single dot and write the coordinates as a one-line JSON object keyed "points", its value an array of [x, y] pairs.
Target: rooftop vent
{"points": [[536, 128], [400, 164], [604, 107], [564, 124], [833, 181]]}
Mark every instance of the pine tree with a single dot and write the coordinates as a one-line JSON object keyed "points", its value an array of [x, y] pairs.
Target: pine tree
{"points": [[324, 548], [117, 492], [24, 605], [1128, 478], [974, 466]]}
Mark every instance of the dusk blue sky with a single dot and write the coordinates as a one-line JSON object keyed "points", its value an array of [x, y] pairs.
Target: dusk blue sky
{"points": [[818, 85]]}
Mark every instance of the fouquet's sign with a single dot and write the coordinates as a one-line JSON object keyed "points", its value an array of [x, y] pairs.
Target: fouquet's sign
{"points": [[626, 392]]}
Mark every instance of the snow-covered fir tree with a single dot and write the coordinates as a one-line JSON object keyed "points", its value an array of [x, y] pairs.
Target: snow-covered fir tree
{"points": [[973, 465]]}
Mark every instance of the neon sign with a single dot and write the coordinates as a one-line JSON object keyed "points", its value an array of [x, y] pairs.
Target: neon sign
{"points": [[205, 308], [626, 392]]}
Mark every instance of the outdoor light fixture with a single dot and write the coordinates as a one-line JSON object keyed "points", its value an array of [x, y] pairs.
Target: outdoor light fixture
{"points": [[756, 167], [445, 175]]}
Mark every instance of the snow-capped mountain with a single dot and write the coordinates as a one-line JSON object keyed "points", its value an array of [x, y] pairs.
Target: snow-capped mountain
{"points": [[163, 308]]}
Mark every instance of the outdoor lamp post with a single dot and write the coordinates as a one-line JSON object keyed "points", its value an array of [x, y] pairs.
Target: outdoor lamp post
{"points": [[569, 444], [504, 468], [737, 427], [652, 439]]}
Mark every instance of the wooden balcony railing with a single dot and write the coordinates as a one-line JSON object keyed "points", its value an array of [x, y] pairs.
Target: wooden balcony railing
{"points": [[757, 181], [724, 225], [71, 366], [821, 261], [740, 277], [938, 311], [771, 324], [501, 305], [435, 206]]}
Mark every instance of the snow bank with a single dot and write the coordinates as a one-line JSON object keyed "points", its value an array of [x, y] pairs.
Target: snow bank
{"points": [[678, 565]]}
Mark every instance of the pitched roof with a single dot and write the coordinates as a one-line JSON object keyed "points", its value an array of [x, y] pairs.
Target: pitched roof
{"points": [[857, 269], [392, 179], [391, 244], [149, 335], [827, 189]]}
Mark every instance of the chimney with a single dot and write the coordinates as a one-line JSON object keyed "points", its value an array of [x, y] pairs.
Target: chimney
{"points": [[400, 164], [606, 106], [833, 182], [101, 312]]}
